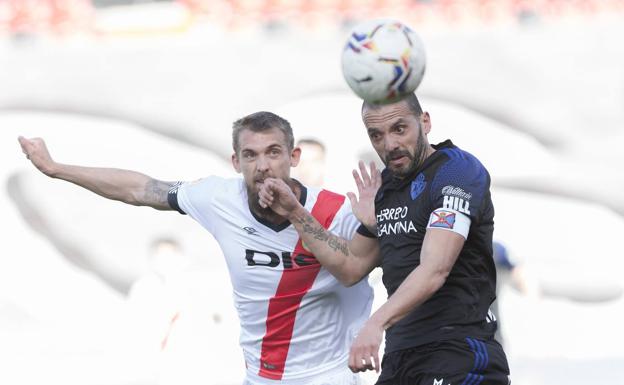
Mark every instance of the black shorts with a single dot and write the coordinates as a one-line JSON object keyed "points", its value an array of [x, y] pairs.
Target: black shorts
{"points": [[457, 362]]}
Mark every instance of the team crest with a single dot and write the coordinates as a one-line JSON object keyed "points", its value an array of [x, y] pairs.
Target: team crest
{"points": [[418, 186], [443, 219]]}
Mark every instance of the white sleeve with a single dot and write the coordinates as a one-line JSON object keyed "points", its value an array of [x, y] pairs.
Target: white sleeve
{"points": [[345, 223], [196, 199]]}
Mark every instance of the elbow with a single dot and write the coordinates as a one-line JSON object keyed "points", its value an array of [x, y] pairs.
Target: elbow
{"points": [[349, 279], [437, 280], [133, 198]]}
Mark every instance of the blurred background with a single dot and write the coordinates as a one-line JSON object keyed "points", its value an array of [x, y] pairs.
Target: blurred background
{"points": [[95, 292]]}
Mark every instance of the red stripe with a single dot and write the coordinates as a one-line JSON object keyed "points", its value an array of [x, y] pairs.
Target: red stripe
{"points": [[293, 286]]}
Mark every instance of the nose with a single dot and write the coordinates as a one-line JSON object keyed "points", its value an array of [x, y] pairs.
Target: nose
{"points": [[262, 164], [390, 144]]}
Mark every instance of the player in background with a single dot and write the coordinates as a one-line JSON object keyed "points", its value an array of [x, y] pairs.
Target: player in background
{"points": [[297, 321], [432, 214], [311, 168]]}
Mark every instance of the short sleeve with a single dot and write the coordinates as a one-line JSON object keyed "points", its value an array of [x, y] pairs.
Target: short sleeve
{"points": [[460, 184], [196, 199], [362, 230]]}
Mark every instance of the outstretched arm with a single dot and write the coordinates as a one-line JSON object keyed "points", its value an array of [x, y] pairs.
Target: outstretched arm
{"points": [[122, 185], [348, 261]]}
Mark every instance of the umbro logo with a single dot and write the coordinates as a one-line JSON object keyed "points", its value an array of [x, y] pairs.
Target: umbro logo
{"points": [[250, 230]]}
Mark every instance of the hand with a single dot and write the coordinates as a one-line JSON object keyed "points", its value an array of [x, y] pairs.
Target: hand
{"points": [[364, 354], [37, 152], [277, 195], [367, 185]]}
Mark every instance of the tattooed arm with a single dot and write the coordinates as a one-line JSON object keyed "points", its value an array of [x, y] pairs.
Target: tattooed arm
{"points": [[348, 261], [122, 185]]}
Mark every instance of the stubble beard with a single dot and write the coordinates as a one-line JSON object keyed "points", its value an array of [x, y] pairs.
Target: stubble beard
{"points": [[416, 160], [253, 198]]}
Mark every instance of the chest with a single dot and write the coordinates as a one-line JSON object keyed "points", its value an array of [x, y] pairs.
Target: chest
{"points": [[263, 261]]}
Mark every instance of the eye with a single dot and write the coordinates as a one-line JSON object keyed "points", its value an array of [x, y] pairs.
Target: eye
{"points": [[274, 152], [400, 129], [375, 136], [248, 155]]}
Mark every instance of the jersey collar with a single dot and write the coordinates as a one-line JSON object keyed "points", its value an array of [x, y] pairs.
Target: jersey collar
{"points": [[391, 182]]}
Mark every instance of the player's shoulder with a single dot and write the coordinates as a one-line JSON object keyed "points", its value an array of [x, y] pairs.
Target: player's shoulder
{"points": [[213, 183], [316, 195], [457, 157], [456, 164]]}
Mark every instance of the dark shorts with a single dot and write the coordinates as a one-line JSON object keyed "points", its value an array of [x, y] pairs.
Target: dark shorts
{"points": [[457, 362]]}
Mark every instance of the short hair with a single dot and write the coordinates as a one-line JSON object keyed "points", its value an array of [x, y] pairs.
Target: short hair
{"points": [[410, 99], [311, 141], [259, 122]]}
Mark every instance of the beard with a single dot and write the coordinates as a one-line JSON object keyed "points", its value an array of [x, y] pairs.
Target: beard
{"points": [[416, 160], [254, 204]]}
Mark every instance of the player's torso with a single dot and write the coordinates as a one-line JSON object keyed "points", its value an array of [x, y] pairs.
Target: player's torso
{"points": [[404, 211], [294, 314]]}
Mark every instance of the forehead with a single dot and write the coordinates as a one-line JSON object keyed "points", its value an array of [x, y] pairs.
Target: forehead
{"points": [[250, 140], [387, 115]]}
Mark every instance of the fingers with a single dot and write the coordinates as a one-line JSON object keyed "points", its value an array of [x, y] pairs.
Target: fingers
{"points": [[23, 144], [365, 177], [377, 365], [352, 198], [361, 362], [375, 175], [358, 180], [265, 195]]}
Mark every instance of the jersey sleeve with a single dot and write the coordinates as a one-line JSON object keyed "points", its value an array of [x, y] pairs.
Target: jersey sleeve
{"points": [[458, 190], [196, 199]]}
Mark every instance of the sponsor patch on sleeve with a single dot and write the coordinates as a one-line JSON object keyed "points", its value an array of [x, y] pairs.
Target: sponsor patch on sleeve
{"points": [[448, 219]]}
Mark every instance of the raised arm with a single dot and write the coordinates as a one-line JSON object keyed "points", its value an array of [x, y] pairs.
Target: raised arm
{"points": [[348, 260], [122, 185]]}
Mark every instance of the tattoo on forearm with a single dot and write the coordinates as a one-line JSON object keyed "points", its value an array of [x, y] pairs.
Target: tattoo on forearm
{"points": [[156, 191], [335, 243]]}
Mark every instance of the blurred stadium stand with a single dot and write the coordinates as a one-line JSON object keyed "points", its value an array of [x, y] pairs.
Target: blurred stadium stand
{"points": [[60, 17]]}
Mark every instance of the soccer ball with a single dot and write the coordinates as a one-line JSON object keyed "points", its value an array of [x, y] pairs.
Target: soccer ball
{"points": [[383, 60]]}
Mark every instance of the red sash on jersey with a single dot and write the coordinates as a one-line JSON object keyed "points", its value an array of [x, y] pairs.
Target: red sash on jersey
{"points": [[293, 286]]}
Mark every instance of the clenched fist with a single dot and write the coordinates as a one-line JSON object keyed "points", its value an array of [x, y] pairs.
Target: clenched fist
{"points": [[37, 152]]}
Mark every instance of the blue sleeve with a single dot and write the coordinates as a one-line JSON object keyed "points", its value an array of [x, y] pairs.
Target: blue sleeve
{"points": [[502, 258], [460, 184]]}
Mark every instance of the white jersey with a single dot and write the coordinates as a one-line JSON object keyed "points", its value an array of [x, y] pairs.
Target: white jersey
{"points": [[296, 319]]}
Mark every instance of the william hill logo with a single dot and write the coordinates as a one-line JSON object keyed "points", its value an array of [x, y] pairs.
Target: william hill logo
{"points": [[457, 204]]}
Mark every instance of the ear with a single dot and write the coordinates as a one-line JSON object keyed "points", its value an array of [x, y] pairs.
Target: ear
{"points": [[295, 156], [236, 163], [425, 121]]}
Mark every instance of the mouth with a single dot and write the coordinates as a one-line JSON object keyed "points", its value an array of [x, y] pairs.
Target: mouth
{"points": [[397, 161]]}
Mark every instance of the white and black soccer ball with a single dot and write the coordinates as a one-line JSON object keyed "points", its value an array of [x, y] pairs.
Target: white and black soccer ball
{"points": [[383, 60]]}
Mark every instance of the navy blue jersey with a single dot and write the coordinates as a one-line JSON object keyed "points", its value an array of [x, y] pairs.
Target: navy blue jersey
{"points": [[449, 179]]}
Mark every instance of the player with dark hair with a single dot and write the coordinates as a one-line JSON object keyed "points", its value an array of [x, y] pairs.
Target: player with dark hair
{"points": [[428, 222], [297, 320]]}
